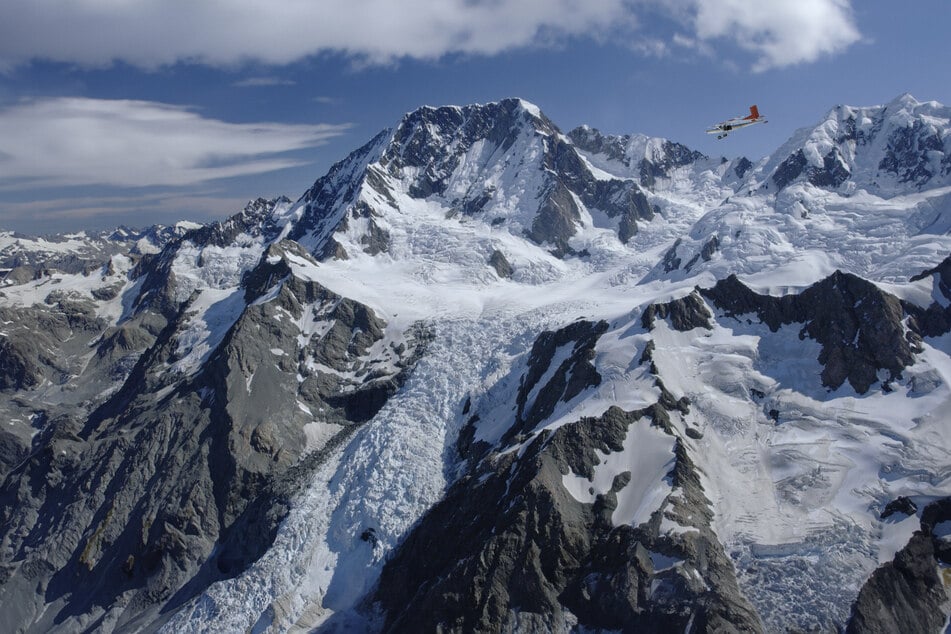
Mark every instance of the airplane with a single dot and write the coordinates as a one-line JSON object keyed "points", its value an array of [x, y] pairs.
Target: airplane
{"points": [[725, 127]]}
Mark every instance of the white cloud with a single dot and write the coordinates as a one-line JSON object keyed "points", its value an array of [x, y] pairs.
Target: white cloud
{"points": [[779, 32], [153, 33], [34, 216], [263, 82], [78, 141]]}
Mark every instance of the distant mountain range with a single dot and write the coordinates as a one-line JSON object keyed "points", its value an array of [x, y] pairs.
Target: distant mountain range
{"points": [[488, 376]]}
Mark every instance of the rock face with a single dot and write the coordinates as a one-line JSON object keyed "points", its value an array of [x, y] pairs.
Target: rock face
{"points": [[684, 314], [182, 476], [570, 351], [500, 263], [831, 173], [907, 594], [935, 320], [517, 551], [859, 326]]}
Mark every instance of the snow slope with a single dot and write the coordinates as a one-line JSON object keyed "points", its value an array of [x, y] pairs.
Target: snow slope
{"points": [[797, 475]]}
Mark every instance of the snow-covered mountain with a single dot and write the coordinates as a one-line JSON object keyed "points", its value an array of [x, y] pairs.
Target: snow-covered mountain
{"points": [[25, 257], [488, 376]]}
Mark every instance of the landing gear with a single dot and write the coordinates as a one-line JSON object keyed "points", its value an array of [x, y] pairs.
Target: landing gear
{"points": [[721, 136]]}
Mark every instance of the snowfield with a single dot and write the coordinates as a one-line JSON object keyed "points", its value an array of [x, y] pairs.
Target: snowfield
{"points": [[797, 475]]}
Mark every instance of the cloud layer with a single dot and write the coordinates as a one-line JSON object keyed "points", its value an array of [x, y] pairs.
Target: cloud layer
{"points": [[151, 33], [779, 32], [79, 141], [154, 33]]}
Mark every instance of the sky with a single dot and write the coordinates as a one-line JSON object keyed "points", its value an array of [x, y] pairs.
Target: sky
{"points": [[141, 112]]}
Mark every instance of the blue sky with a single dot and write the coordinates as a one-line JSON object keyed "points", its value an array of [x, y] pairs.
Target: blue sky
{"points": [[150, 111]]}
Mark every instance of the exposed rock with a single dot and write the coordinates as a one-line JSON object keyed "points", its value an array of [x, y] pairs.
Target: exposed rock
{"points": [[36, 342], [573, 374], [591, 140], [859, 325], [904, 595], [672, 155], [659, 164], [12, 451], [376, 240], [178, 481], [833, 173], [685, 314], [556, 220], [790, 169], [255, 219], [617, 198], [909, 150], [900, 504], [327, 202], [671, 261], [709, 248], [426, 150], [524, 551], [742, 166], [501, 265], [935, 320]]}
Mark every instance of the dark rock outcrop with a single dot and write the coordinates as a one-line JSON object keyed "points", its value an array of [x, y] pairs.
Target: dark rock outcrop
{"points": [[178, 479], [685, 314], [742, 166], [909, 151], [524, 554], [901, 504], [573, 349], [500, 263], [859, 325], [907, 594], [935, 320], [833, 172], [790, 169], [671, 259]]}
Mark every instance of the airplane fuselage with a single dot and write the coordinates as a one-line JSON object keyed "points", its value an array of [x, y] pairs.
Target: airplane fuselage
{"points": [[723, 128]]}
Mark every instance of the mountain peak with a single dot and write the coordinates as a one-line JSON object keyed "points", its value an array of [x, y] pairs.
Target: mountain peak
{"points": [[446, 123], [888, 149], [503, 163], [904, 100]]}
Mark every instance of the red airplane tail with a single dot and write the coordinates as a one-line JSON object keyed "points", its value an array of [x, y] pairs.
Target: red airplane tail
{"points": [[754, 113]]}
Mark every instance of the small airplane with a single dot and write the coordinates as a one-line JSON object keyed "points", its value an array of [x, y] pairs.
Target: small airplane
{"points": [[724, 128]]}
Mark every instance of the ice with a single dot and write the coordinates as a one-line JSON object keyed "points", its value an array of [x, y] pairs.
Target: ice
{"points": [[215, 311]]}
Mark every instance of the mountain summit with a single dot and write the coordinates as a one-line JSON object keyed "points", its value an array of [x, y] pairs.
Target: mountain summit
{"points": [[504, 164], [485, 375], [898, 147]]}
